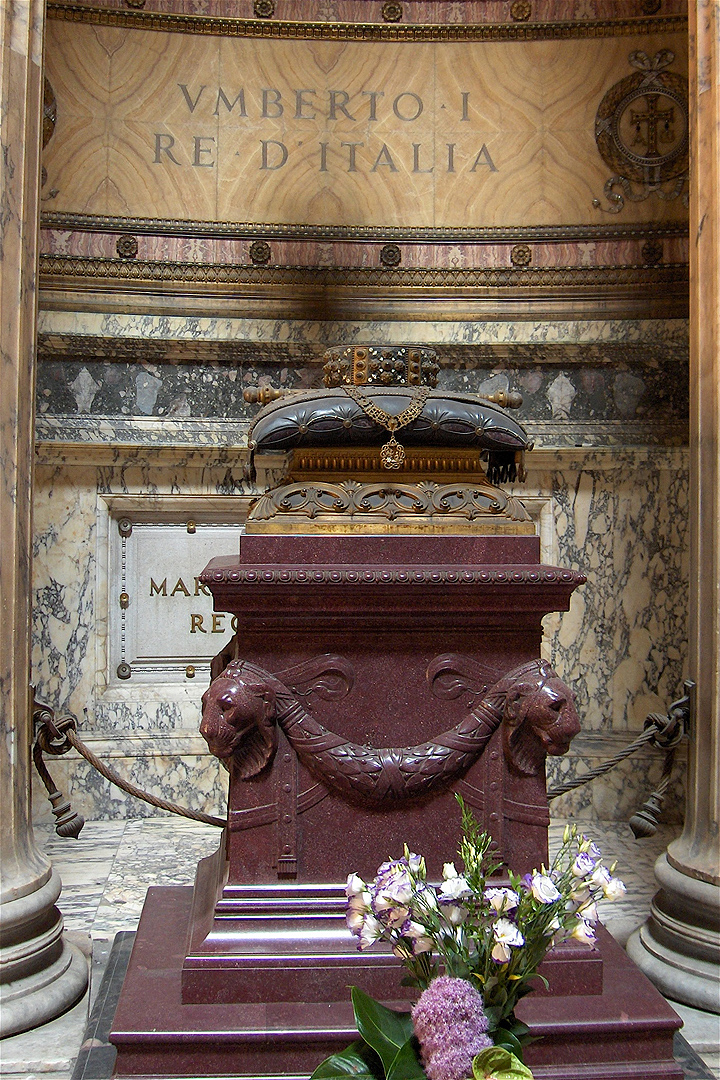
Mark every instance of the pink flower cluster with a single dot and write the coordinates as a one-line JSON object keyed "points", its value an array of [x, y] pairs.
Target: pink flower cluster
{"points": [[450, 1026]]}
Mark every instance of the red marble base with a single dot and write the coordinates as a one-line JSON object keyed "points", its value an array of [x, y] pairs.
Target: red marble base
{"points": [[621, 1033]]}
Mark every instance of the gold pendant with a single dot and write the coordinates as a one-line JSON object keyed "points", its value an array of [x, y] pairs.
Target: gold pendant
{"points": [[392, 454]]}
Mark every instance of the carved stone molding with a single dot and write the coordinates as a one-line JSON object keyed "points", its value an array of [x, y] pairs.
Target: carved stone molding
{"points": [[227, 273], [54, 219], [361, 577], [362, 31], [425, 505]]}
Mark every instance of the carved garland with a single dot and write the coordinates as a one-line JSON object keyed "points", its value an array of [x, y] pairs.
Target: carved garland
{"points": [[245, 702]]}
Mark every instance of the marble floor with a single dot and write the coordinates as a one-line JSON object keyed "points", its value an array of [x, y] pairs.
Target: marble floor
{"points": [[106, 873]]}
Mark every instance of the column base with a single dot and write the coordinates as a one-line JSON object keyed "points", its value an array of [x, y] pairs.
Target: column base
{"points": [[41, 974], [678, 947]]}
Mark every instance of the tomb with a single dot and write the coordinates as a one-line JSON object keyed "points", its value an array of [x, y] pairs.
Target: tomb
{"points": [[389, 598]]}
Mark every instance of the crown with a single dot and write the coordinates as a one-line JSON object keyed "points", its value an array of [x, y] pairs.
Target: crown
{"points": [[380, 365]]}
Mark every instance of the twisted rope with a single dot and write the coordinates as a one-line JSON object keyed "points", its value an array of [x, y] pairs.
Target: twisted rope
{"points": [[647, 736], [138, 793], [56, 737]]}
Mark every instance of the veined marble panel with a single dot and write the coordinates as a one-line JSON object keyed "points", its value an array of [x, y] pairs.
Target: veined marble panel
{"points": [[619, 515], [176, 328]]}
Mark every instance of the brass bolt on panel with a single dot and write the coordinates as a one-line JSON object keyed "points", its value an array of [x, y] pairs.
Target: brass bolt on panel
{"points": [[260, 251], [520, 10]]}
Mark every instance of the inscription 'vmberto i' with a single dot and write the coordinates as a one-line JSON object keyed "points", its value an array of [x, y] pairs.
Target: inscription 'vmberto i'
{"points": [[399, 154]]}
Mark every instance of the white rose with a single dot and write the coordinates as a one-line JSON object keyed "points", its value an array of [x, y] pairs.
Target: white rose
{"points": [[420, 939], [356, 911], [502, 899], [355, 885], [506, 933], [371, 932], [584, 932], [416, 863], [614, 889], [589, 912], [600, 876], [455, 888], [543, 889], [455, 914], [501, 953]]}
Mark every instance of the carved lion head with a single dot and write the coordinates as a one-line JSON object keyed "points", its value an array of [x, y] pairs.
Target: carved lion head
{"points": [[237, 720], [539, 718]]}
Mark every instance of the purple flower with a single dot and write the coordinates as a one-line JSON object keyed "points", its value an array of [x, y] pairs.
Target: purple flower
{"points": [[392, 892], [584, 932], [450, 1025], [586, 844], [583, 865], [506, 935], [502, 899], [543, 889]]}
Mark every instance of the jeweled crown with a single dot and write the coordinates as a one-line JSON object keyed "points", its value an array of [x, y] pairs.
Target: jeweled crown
{"points": [[375, 365]]}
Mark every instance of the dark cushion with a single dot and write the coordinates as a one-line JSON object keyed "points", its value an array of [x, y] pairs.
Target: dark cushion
{"points": [[331, 418]]}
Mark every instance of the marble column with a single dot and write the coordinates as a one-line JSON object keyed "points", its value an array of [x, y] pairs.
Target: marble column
{"points": [[679, 946], [41, 974]]}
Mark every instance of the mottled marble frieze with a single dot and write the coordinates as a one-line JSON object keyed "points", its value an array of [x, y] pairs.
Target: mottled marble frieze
{"points": [[55, 326], [585, 395]]}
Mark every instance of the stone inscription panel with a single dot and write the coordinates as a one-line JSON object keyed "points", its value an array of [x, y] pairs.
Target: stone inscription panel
{"points": [[438, 134], [162, 625]]}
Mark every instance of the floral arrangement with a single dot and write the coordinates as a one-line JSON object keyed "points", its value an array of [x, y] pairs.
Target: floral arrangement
{"points": [[489, 937]]}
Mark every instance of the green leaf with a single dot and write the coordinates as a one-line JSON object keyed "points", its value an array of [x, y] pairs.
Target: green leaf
{"points": [[517, 1028], [495, 1063], [385, 1030], [357, 1060], [508, 1041], [406, 1065], [494, 1014]]}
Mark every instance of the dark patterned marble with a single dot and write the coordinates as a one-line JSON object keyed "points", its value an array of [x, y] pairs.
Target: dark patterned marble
{"points": [[579, 395]]}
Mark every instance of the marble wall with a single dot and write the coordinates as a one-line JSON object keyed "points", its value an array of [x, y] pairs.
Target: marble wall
{"points": [[607, 484]]}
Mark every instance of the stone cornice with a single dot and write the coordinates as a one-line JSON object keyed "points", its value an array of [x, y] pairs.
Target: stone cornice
{"points": [[363, 575], [175, 22], [52, 219]]}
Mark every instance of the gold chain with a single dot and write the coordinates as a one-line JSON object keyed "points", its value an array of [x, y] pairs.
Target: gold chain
{"points": [[392, 454]]}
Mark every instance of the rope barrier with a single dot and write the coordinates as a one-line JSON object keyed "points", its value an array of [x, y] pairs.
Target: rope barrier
{"points": [[138, 793], [57, 737], [647, 736]]}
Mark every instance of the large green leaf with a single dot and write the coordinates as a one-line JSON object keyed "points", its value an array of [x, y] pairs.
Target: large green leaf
{"points": [[508, 1041], [385, 1030], [357, 1060], [406, 1065]]}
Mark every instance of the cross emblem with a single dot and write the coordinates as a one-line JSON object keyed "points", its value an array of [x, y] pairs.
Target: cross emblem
{"points": [[658, 125]]}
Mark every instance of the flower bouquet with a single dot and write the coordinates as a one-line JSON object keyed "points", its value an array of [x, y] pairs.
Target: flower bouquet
{"points": [[489, 937]]}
